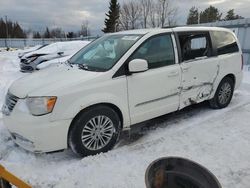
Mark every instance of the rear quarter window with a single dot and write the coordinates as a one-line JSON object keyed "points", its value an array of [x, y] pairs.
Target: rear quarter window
{"points": [[225, 42]]}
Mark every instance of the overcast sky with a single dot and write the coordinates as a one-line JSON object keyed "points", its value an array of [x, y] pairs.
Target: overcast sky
{"points": [[69, 14]]}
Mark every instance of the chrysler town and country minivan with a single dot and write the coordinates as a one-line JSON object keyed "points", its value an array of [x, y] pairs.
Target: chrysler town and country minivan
{"points": [[118, 81]]}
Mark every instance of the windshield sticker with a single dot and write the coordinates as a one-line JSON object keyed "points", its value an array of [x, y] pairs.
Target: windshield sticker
{"points": [[130, 38]]}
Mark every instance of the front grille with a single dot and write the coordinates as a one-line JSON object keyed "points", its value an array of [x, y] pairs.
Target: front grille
{"points": [[24, 68], [10, 102]]}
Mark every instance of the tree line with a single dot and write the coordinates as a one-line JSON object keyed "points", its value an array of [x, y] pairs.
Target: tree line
{"points": [[132, 14], [9, 29], [59, 33], [210, 14], [136, 14]]}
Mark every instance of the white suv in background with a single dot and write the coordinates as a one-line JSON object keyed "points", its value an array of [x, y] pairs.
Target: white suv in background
{"points": [[118, 81]]}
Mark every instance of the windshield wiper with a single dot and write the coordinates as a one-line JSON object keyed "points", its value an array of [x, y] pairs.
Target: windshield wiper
{"points": [[67, 63], [83, 66]]}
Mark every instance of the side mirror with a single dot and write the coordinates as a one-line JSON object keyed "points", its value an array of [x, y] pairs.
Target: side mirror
{"points": [[60, 53], [138, 65]]}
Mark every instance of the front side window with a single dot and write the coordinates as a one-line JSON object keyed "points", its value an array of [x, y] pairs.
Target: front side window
{"points": [[158, 51], [102, 54], [225, 42]]}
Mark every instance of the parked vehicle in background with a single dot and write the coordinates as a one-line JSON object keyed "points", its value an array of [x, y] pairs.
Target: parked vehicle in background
{"points": [[31, 49], [30, 61], [121, 80], [49, 63]]}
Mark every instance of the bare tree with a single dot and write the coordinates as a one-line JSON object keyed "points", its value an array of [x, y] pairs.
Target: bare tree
{"points": [[85, 31], [172, 18], [153, 14], [56, 33], [166, 12], [130, 15], [146, 6], [124, 21], [147, 13]]}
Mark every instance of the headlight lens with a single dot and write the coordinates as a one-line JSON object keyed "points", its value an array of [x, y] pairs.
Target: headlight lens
{"points": [[41, 105]]}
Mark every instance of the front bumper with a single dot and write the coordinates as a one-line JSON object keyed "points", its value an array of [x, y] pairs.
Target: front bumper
{"points": [[37, 133], [26, 67]]}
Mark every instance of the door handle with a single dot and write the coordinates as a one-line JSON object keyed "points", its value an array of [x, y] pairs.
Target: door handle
{"points": [[173, 74]]}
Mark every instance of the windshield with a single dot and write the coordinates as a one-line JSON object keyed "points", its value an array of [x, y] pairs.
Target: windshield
{"points": [[102, 54]]}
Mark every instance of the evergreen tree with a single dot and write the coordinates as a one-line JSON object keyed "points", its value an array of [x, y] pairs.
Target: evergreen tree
{"points": [[47, 33], [70, 34], [14, 29], [112, 17], [36, 35], [231, 15], [2, 29], [17, 31], [211, 14], [193, 16]]}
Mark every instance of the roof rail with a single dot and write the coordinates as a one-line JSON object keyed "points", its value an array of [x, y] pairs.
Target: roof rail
{"points": [[169, 27]]}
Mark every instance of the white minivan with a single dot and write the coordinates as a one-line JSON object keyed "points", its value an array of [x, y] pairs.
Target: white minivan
{"points": [[119, 81]]}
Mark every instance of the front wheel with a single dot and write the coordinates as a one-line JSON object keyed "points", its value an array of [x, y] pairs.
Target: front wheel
{"points": [[94, 131], [223, 95]]}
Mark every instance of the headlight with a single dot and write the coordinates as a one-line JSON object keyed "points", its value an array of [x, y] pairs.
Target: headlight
{"points": [[41, 105]]}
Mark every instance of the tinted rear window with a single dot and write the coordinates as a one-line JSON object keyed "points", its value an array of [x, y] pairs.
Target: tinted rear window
{"points": [[225, 42]]}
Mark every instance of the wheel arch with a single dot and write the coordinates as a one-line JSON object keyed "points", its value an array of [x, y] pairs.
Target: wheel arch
{"points": [[218, 81], [232, 76], [110, 105]]}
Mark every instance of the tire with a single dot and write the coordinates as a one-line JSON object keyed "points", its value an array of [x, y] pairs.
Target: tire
{"points": [[223, 95], [89, 137], [4, 184]]}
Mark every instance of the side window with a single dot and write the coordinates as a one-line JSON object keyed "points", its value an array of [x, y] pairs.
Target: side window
{"points": [[194, 45], [158, 51], [225, 42]]}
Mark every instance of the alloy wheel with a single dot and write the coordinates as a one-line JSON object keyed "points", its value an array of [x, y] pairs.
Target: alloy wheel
{"points": [[225, 93], [97, 132]]}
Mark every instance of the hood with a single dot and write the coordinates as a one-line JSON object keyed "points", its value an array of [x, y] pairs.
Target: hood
{"points": [[46, 81]]}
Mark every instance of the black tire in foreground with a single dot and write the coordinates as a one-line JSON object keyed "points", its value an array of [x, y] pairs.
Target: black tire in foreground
{"points": [[4, 184], [94, 130], [223, 95]]}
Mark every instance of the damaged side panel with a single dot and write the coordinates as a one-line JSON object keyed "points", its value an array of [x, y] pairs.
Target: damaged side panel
{"points": [[201, 88]]}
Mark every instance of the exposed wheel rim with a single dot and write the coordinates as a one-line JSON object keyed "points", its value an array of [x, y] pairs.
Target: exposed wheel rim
{"points": [[97, 132], [225, 93]]}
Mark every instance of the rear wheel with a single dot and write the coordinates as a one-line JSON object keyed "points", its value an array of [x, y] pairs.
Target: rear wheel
{"points": [[94, 131], [223, 95]]}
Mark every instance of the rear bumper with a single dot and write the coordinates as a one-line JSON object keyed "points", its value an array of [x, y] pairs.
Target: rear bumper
{"points": [[37, 133]]}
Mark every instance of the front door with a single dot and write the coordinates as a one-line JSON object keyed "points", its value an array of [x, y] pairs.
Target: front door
{"points": [[156, 91]]}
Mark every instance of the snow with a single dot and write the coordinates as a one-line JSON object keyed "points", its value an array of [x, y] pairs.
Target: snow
{"points": [[53, 61], [69, 47], [217, 139]]}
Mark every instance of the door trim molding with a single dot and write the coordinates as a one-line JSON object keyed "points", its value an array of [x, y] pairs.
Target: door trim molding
{"points": [[157, 99]]}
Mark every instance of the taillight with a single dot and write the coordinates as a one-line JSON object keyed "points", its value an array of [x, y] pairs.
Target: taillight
{"points": [[242, 62]]}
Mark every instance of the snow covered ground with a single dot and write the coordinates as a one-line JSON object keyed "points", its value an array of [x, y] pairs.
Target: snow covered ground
{"points": [[217, 139]]}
